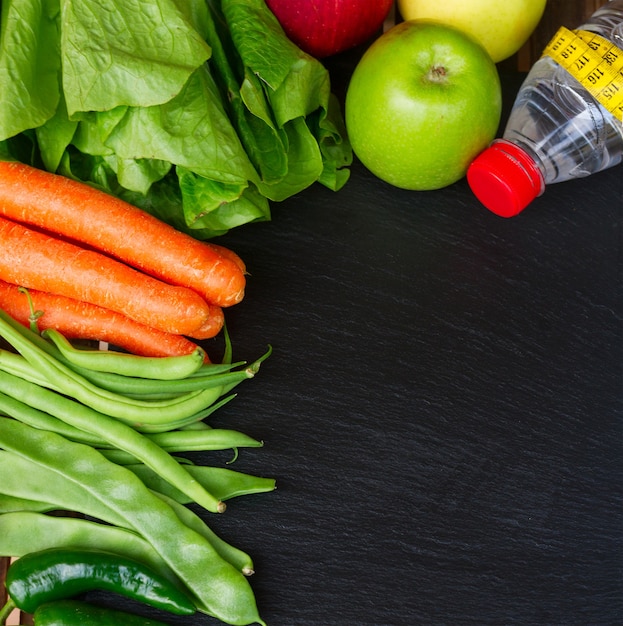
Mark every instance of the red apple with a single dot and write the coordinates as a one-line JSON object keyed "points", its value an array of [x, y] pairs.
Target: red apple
{"points": [[325, 27]]}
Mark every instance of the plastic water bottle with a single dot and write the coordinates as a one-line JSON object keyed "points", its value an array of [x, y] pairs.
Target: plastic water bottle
{"points": [[566, 122]]}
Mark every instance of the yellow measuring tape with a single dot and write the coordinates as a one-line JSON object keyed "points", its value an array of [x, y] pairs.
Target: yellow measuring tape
{"points": [[594, 62]]}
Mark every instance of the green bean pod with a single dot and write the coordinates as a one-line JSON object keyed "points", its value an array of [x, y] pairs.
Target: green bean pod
{"points": [[157, 368], [221, 481], [188, 422], [172, 389], [238, 558], [17, 365], [111, 430], [162, 422], [136, 410], [106, 380], [126, 408], [28, 533], [27, 479], [24, 478], [25, 531], [41, 419], [12, 504], [200, 440], [115, 405], [139, 387], [123, 458], [200, 425]]}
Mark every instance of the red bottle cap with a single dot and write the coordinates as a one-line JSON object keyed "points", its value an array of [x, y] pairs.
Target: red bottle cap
{"points": [[505, 178]]}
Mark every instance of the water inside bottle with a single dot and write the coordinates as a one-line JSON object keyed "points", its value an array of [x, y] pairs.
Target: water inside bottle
{"points": [[568, 133], [557, 130], [559, 123]]}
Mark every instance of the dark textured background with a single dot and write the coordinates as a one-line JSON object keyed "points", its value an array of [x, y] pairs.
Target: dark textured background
{"points": [[443, 410]]}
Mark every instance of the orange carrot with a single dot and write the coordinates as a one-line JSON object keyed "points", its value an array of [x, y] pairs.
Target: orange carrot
{"points": [[228, 254], [36, 260], [212, 326], [83, 213], [81, 320]]}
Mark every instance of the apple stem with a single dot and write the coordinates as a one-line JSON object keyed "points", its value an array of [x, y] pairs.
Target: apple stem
{"points": [[437, 74]]}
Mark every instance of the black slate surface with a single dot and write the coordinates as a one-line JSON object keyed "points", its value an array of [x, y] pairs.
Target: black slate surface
{"points": [[442, 411]]}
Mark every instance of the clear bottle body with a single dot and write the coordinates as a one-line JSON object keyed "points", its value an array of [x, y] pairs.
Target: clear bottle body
{"points": [[558, 123]]}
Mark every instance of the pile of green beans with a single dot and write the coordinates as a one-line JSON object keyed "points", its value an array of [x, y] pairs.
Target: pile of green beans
{"points": [[135, 409], [100, 433]]}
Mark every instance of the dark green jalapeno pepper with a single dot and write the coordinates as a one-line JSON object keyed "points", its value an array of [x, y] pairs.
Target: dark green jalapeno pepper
{"points": [[55, 574], [76, 613]]}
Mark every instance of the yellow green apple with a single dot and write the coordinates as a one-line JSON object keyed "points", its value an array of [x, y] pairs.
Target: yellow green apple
{"points": [[502, 27], [423, 101]]}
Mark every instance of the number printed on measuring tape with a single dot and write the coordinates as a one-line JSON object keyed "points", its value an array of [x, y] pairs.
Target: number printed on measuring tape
{"points": [[594, 62]]}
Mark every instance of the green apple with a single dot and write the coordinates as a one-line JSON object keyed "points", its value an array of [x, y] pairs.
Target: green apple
{"points": [[501, 27], [423, 101]]}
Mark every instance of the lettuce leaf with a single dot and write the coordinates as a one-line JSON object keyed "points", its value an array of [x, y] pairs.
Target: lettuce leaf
{"points": [[199, 111], [30, 64], [280, 87], [128, 53]]}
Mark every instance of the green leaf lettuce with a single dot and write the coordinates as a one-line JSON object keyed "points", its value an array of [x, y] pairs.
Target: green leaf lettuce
{"points": [[200, 111]]}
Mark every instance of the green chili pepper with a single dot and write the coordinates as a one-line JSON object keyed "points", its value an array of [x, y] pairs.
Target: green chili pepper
{"points": [[55, 574], [76, 613]]}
